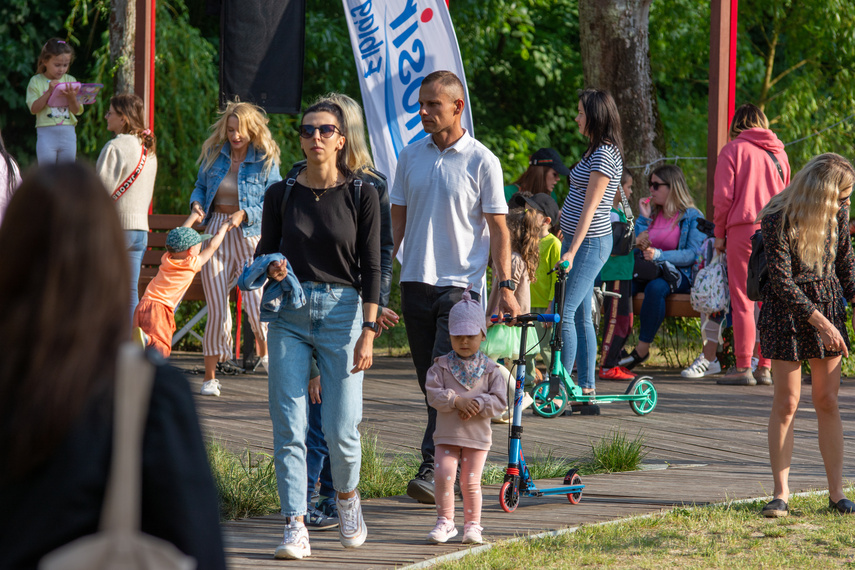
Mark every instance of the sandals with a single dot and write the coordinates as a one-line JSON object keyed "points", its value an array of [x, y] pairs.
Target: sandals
{"points": [[776, 508], [844, 506]]}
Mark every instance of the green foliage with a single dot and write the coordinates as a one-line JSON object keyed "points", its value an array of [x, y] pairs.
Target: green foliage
{"points": [[616, 452], [246, 483]]}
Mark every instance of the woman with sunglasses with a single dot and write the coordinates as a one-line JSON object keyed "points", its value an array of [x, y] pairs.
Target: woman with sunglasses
{"points": [[238, 162], [750, 169], [811, 271], [668, 236], [324, 227], [586, 225]]}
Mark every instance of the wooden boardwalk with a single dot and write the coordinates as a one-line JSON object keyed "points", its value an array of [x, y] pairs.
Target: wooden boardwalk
{"points": [[706, 443]]}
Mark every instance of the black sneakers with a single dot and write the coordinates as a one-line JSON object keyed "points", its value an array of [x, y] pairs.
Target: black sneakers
{"points": [[421, 487], [633, 360]]}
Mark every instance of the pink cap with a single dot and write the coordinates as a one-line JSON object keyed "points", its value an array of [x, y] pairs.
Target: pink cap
{"points": [[466, 317]]}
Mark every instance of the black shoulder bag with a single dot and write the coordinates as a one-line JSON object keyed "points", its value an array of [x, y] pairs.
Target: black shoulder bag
{"points": [[758, 272]]}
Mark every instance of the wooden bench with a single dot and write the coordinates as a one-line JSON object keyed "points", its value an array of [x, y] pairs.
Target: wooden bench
{"points": [[160, 224], [676, 305]]}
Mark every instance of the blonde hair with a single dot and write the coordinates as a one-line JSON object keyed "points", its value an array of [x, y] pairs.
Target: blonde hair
{"points": [[358, 158], [525, 240], [252, 121], [809, 207], [748, 116], [679, 199]]}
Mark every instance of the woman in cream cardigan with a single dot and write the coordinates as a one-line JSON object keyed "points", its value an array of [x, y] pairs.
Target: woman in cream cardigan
{"points": [[128, 166]]}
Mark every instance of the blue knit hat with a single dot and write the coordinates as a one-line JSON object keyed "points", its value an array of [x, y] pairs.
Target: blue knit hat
{"points": [[183, 238]]}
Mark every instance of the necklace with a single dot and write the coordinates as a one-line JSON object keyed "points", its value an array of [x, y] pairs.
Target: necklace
{"points": [[322, 190]]}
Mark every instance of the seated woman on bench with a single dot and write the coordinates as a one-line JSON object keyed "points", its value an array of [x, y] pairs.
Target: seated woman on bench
{"points": [[667, 238]]}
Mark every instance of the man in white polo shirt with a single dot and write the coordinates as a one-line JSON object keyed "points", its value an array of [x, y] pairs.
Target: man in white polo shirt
{"points": [[448, 198]]}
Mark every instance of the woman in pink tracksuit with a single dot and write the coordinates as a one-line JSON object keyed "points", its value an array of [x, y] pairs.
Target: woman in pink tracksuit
{"points": [[751, 168]]}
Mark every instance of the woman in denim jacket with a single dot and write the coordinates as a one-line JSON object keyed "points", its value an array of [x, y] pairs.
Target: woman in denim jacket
{"points": [[238, 162], [667, 234]]}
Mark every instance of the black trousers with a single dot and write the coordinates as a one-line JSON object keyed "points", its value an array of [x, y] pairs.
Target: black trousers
{"points": [[425, 310]]}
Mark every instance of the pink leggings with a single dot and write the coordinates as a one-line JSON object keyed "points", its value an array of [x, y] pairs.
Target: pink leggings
{"points": [[445, 472], [742, 308]]}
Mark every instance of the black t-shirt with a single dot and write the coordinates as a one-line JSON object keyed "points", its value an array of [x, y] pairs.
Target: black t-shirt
{"points": [[324, 237]]}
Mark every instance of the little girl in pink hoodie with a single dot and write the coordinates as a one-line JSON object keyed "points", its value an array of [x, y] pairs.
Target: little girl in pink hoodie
{"points": [[466, 389]]}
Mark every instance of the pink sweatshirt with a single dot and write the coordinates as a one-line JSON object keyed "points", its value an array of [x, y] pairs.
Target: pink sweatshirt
{"points": [[746, 178], [443, 389]]}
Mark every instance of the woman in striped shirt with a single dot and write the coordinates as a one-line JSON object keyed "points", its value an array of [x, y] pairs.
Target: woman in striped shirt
{"points": [[587, 228]]}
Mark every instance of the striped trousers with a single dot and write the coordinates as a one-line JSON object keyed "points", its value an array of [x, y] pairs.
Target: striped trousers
{"points": [[217, 275]]}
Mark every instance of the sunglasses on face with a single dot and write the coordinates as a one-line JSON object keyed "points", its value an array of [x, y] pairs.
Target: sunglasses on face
{"points": [[844, 199], [308, 131], [657, 185]]}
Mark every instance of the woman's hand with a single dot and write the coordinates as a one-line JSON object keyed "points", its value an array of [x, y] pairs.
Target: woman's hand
{"points": [[236, 219], [315, 390], [644, 207], [196, 208], [363, 353], [832, 340], [386, 319], [649, 253], [643, 240], [277, 270], [720, 245], [568, 257]]}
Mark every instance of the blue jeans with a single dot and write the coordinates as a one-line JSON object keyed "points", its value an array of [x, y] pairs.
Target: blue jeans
{"points": [[653, 307], [136, 241], [577, 328], [330, 322], [317, 455]]}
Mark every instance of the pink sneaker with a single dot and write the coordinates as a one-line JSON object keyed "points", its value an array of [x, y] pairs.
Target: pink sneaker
{"points": [[443, 530], [472, 533]]}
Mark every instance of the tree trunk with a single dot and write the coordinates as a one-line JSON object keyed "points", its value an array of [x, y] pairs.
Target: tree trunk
{"points": [[123, 25], [616, 57]]}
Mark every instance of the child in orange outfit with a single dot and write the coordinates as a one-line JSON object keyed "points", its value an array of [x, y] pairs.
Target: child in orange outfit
{"points": [[155, 314]]}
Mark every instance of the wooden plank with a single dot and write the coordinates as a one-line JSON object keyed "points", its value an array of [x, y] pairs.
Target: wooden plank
{"points": [[676, 305]]}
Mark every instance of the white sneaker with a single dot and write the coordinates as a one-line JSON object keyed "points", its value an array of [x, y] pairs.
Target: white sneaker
{"points": [[210, 388], [443, 530], [472, 533], [701, 367], [263, 362], [295, 543], [754, 362], [352, 530]]}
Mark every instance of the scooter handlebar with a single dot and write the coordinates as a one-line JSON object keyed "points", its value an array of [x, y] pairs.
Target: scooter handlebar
{"points": [[527, 318], [563, 265]]}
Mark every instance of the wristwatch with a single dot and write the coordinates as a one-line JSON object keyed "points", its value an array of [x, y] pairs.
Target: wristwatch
{"points": [[508, 284], [371, 325]]}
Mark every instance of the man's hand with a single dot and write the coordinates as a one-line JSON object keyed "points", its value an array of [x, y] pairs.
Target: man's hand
{"points": [[277, 270], [508, 303], [315, 390], [386, 320]]}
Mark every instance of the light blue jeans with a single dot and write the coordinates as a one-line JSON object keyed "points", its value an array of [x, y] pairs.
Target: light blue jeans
{"points": [[56, 144], [136, 241], [330, 322], [577, 328]]}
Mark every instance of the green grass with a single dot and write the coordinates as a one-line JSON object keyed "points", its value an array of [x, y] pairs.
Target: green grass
{"points": [[246, 483], [728, 536]]}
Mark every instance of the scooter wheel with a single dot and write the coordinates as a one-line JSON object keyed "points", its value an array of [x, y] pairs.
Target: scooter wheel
{"points": [[572, 478], [645, 393], [509, 497], [544, 407]]}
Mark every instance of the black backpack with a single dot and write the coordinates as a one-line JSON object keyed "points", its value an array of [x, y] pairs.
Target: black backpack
{"points": [[758, 273]]}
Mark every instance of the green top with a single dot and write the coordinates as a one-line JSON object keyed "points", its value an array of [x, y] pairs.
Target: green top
{"points": [[543, 289], [618, 267]]}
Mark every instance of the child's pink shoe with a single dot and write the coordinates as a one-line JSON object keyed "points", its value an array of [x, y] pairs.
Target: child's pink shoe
{"points": [[472, 533], [443, 530]]}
